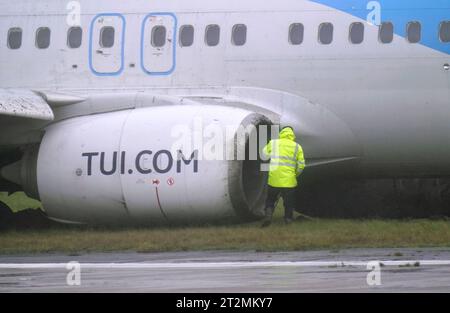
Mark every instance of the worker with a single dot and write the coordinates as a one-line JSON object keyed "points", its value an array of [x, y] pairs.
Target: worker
{"points": [[286, 164]]}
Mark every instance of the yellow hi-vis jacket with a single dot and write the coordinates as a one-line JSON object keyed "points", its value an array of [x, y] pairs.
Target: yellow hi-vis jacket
{"points": [[286, 160]]}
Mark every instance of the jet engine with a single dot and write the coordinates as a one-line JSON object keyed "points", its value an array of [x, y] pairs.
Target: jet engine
{"points": [[142, 166]]}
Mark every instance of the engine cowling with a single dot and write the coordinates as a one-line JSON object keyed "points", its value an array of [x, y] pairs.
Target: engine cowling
{"points": [[120, 167]]}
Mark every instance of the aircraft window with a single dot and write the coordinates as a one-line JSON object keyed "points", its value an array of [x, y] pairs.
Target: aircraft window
{"points": [[43, 38], [414, 32], [326, 33], [386, 32], [296, 32], [356, 33], [159, 35], [444, 32], [239, 37], [74, 37], [14, 38], [186, 35], [107, 36], [212, 35]]}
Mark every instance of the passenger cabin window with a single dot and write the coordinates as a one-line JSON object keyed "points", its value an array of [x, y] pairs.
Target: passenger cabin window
{"points": [[43, 38], [107, 36], [414, 32], [239, 35], [296, 33], [15, 38], [74, 37], [356, 33], [444, 31], [212, 35], [186, 35], [326, 33], [159, 35], [386, 32]]}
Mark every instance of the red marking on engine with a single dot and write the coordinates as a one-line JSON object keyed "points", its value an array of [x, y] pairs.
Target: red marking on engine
{"points": [[159, 204]]}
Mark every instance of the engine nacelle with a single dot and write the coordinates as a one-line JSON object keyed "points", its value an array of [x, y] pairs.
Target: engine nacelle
{"points": [[120, 167]]}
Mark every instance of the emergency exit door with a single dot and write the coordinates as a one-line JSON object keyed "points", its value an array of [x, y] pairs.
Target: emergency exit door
{"points": [[106, 46], [158, 43]]}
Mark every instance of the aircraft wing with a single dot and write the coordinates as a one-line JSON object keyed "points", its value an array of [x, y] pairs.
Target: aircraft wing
{"points": [[24, 103], [22, 113]]}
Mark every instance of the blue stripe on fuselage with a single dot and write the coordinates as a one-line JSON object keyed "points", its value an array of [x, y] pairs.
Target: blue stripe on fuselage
{"points": [[400, 12]]}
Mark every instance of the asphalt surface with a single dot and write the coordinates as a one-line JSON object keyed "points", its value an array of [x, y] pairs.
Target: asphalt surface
{"points": [[401, 270]]}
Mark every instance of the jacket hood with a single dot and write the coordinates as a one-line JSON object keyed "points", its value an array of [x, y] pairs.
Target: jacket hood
{"points": [[287, 133]]}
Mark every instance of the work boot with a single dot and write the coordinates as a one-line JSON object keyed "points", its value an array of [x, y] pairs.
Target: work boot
{"points": [[268, 218], [300, 218], [266, 222]]}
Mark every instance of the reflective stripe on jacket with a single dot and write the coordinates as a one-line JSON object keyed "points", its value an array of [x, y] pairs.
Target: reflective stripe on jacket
{"points": [[286, 160]]}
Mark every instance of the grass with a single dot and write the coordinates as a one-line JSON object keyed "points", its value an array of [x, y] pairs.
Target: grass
{"points": [[306, 235], [310, 235]]}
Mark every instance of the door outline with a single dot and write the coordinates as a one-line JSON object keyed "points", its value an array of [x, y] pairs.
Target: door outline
{"points": [[174, 44], [122, 49]]}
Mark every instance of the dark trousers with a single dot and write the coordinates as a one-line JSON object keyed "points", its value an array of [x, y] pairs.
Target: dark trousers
{"points": [[288, 195]]}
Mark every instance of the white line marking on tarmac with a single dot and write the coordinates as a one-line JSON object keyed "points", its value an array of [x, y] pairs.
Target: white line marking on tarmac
{"points": [[224, 265]]}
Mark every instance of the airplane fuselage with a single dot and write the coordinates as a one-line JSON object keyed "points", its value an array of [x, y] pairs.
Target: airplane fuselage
{"points": [[394, 97], [364, 83]]}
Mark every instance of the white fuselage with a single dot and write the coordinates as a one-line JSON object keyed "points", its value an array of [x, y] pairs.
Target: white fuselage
{"points": [[394, 98]]}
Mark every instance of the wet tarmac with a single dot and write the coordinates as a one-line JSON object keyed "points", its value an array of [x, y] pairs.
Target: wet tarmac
{"points": [[401, 270]]}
